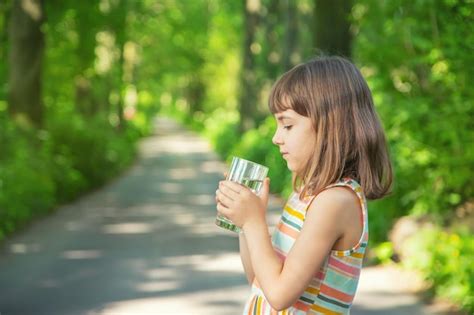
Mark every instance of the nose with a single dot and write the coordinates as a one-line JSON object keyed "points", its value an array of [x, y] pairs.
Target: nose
{"points": [[277, 138]]}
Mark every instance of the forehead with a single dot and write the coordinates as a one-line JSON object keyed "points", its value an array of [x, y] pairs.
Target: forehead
{"points": [[287, 114]]}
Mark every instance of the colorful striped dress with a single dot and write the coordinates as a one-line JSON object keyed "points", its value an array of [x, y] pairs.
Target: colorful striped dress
{"points": [[333, 287]]}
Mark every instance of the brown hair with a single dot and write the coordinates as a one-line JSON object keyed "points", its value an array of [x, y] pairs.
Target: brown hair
{"points": [[350, 141]]}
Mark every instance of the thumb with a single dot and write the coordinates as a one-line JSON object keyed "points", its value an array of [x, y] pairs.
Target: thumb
{"points": [[265, 192]]}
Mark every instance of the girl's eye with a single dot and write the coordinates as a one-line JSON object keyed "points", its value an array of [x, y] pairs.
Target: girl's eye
{"points": [[287, 127]]}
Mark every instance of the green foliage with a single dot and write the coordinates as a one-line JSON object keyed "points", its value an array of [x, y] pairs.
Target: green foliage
{"points": [[89, 151], [420, 73], [26, 189], [384, 252], [222, 130], [417, 58], [445, 260], [382, 214], [39, 169]]}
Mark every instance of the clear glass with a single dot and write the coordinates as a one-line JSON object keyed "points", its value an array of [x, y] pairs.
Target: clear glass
{"points": [[246, 173]]}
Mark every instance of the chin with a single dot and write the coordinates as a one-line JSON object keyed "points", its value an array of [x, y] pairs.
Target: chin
{"points": [[293, 168], [290, 167]]}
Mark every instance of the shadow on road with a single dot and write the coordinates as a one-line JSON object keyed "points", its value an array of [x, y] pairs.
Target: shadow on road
{"points": [[146, 243]]}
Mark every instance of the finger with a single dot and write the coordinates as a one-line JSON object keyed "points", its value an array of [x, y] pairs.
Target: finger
{"points": [[230, 191], [222, 209], [264, 193], [223, 198], [217, 196], [235, 187]]}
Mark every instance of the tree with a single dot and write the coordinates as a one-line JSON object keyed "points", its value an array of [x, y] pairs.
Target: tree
{"points": [[4, 18], [119, 16], [87, 20], [248, 90], [271, 44], [25, 60], [291, 34], [332, 35]]}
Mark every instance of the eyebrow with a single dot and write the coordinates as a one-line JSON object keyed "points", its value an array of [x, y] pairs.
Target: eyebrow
{"points": [[283, 117]]}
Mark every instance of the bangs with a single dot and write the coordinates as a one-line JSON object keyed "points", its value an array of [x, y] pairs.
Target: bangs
{"points": [[279, 99], [288, 93]]}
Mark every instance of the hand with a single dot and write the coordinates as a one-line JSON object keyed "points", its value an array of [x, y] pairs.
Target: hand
{"points": [[217, 199], [239, 204]]}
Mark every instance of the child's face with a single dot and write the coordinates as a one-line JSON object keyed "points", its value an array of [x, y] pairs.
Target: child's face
{"points": [[295, 137]]}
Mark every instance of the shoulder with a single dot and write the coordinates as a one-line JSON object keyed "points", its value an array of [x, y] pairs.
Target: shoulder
{"points": [[336, 204], [336, 198]]}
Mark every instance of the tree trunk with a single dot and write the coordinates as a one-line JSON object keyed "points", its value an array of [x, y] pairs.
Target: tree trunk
{"points": [[86, 27], [5, 8], [195, 93], [291, 35], [120, 105], [120, 38], [272, 47], [248, 90], [332, 35], [25, 60]]}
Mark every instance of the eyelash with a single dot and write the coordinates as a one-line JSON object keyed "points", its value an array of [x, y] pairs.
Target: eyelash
{"points": [[287, 127]]}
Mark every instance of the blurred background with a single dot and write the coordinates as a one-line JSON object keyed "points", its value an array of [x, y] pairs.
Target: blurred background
{"points": [[82, 81]]}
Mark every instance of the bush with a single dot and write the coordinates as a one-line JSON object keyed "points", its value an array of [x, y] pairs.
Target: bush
{"points": [[26, 189], [86, 153], [42, 168], [420, 75], [222, 129], [444, 258]]}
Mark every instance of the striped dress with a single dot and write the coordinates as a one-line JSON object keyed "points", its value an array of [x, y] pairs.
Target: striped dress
{"points": [[333, 287]]}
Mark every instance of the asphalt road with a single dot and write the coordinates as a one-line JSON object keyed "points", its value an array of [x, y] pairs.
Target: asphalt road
{"points": [[146, 243]]}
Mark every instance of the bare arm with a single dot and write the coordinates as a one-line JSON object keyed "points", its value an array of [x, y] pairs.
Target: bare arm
{"points": [[245, 258], [282, 283]]}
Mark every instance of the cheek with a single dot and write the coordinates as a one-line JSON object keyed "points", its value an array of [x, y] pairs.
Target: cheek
{"points": [[308, 152], [297, 143]]}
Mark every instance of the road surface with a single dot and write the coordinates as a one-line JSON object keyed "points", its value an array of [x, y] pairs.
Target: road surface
{"points": [[146, 243]]}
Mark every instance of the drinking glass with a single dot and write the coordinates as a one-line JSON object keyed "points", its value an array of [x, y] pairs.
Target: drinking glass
{"points": [[247, 173]]}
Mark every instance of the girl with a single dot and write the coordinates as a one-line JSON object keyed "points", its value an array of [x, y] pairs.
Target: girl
{"points": [[333, 143]]}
